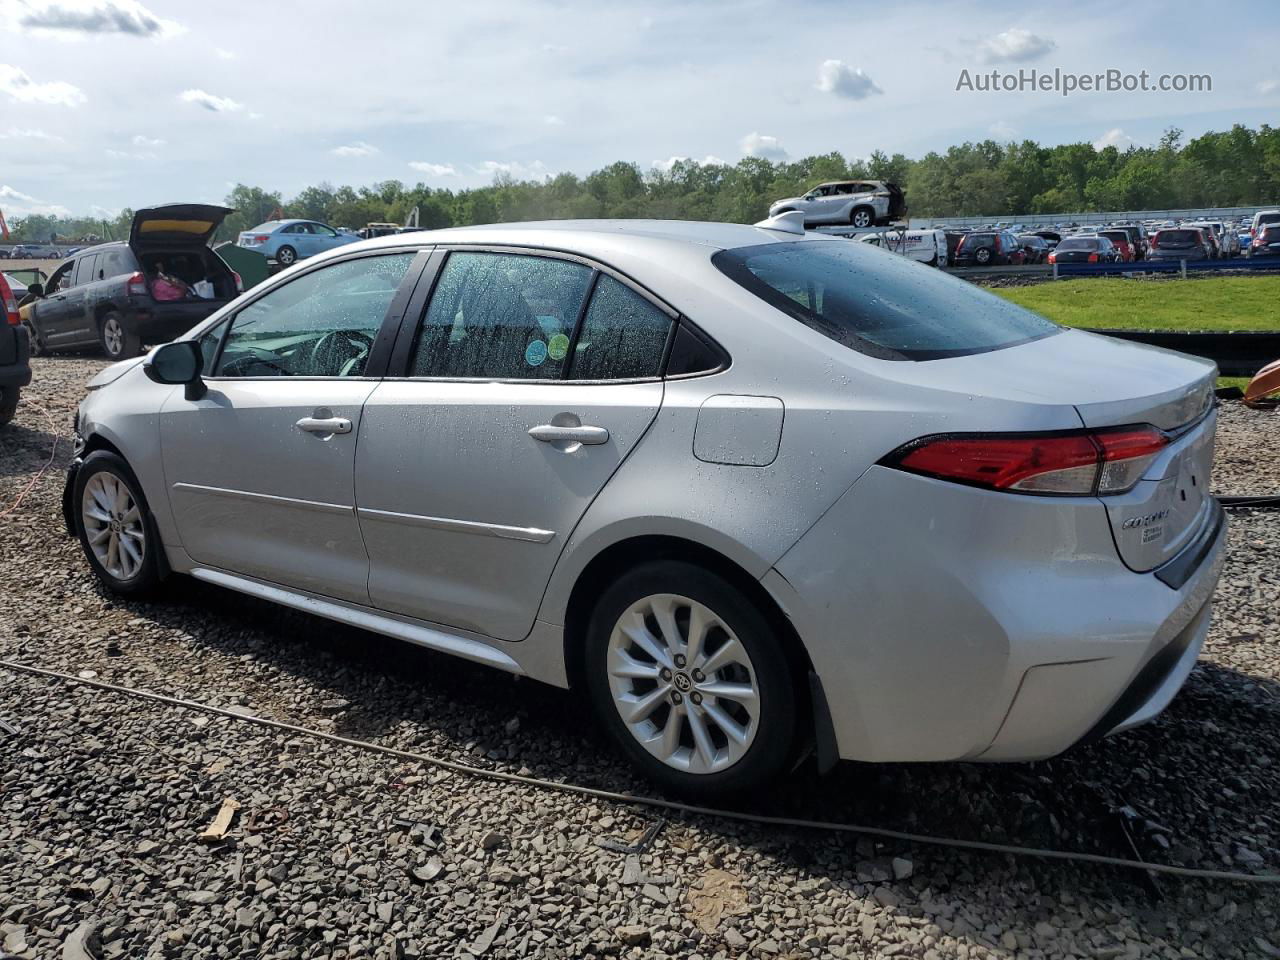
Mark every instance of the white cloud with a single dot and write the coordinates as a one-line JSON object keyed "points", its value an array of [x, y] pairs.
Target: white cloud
{"points": [[142, 141], [551, 120], [1015, 45], [210, 102], [223, 54], [763, 145], [18, 86], [836, 76], [126, 155], [513, 168], [17, 134], [20, 204], [357, 149], [92, 17], [1003, 129], [1115, 137], [1269, 86], [434, 169]]}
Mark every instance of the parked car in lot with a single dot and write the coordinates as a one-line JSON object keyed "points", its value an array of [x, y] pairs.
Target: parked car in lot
{"points": [[1085, 248], [1034, 247], [15, 364], [1261, 219], [606, 411], [288, 241], [924, 246], [1139, 242], [988, 249], [1123, 243], [1267, 242], [859, 203], [27, 251], [1179, 243], [122, 295]]}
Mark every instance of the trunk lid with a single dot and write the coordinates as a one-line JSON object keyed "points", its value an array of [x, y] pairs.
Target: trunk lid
{"points": [[1109, 383], [176, 224]]}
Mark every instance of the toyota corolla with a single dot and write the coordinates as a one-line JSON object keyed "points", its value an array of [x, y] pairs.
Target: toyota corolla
{"points": [[752, 491]]}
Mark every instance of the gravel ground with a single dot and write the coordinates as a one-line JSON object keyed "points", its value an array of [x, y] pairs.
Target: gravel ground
{"points": [[337, 852]]}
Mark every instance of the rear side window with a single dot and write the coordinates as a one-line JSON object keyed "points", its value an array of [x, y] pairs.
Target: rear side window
{"points": [[85, 270], [501, 316], [623, 335], [888, 307]]}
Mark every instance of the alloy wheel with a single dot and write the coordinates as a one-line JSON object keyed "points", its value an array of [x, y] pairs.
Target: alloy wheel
{"points": [[683, 684], [113, 336], [113, 526]]}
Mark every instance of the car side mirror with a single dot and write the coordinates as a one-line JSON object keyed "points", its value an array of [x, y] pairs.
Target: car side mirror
{"points": [[35, 289], [178, 362]]}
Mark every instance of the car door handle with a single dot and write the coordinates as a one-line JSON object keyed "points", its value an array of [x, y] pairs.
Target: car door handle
{"points": [[549, 433], [324, 424]]}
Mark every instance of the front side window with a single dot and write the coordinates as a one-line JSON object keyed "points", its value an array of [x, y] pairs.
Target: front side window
{"points": [[321, 230], [623, 335], [323, 324], [501, 316], [887, 307], [84, 269], [61, 278]]}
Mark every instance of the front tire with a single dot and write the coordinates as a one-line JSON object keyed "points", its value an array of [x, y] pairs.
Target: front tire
{"points": [[118, 342], [114, 525], [286, 256], [691, 680]]}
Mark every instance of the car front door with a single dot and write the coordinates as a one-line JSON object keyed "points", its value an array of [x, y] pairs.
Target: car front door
{"points": [[527, 382], [323, 238], [260, 468], [51, 311]]}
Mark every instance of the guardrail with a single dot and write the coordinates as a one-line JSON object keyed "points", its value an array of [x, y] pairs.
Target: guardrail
{"points": [[1097, 216], [1238, 353], [1060, 270]]}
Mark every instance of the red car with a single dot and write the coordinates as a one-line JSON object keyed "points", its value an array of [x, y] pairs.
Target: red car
{"points": [[1121, 241]]}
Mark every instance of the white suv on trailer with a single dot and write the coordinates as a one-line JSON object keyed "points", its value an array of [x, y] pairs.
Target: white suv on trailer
{"points": [[860, 203]]}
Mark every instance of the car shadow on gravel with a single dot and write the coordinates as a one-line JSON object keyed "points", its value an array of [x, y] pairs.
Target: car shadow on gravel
{"points": [[1195, 788], [25, 444]]}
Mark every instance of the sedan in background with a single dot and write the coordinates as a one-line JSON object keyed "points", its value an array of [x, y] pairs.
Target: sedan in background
{"points": [[1085, 248], [288, 241], [557, 449]]}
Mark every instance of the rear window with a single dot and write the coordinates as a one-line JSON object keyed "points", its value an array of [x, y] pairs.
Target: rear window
{"points": [[1116, 236], [978, 240], [887, 307], [1079, 243], [1178, 236]]}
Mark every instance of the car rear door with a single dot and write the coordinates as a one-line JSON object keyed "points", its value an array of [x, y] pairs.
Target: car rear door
{"points": [[260, 468], [523, 384]]}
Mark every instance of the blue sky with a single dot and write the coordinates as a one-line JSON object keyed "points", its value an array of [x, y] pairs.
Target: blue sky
{"points": [[118, 103]]}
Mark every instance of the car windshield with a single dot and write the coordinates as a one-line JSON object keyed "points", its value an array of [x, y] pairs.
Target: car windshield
{"points": [[887, 307], [1078, 243]]}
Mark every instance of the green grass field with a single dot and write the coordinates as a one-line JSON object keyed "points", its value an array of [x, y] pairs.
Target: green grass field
{"points": [[1209, 303]]}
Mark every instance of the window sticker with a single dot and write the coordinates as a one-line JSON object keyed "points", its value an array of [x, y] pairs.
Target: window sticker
{"points": [[558, 347], [535, 353]]}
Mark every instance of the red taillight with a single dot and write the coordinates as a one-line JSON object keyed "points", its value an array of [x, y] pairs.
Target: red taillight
{"points": [[136, 284], [1081, 463], [1053, 258], [8, 304], [1093, 258], [259, 238], [239, 282], [1155, 241]]}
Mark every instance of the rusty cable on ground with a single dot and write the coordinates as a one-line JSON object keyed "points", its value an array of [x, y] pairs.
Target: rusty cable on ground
{"points": [[657, 802]]}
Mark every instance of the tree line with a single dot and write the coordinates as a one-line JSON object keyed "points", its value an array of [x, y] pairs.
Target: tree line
{"points": [[1238, 167]]}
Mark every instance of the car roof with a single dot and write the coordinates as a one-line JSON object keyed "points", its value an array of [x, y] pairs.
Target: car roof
{"points": [[601, 238]]}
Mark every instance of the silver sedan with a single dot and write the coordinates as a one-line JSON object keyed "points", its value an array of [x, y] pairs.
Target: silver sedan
{"points": [[754, 492]]}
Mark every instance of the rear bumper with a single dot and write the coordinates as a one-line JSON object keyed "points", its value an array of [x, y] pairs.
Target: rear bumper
{"points": [[156, 322], [950, 623], [15, 356]]}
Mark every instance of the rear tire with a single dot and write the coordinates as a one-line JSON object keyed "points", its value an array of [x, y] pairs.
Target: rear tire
{"points": [[983, 256], [9, 397], [862, 217], [286, 256], [722, 702], [114, 525], [118, 342]]}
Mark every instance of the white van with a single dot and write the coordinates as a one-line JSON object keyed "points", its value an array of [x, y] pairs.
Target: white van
{"points": [[927, 246]]}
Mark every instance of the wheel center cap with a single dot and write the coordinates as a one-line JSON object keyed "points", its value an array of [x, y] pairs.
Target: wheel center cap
{"points": [[683, 683], [115, 526]]}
